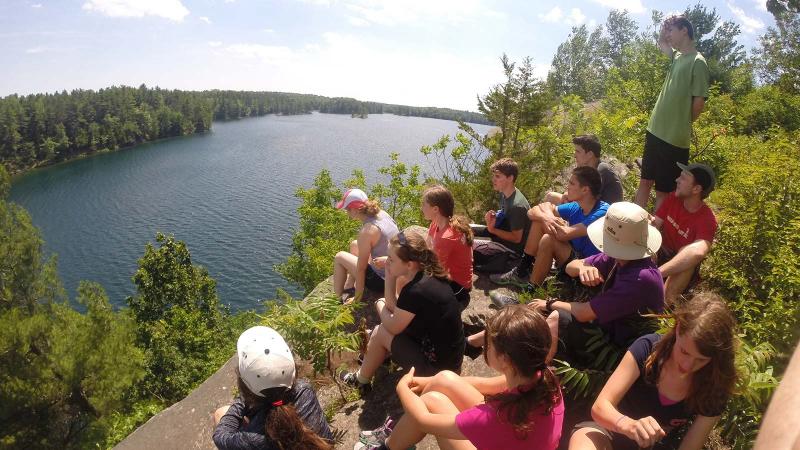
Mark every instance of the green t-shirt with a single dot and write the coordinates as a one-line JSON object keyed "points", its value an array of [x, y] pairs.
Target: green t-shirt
{"points": [[671, 119]]}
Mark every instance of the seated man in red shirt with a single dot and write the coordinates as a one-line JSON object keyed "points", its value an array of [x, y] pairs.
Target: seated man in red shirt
{"points": [[688, 226]]}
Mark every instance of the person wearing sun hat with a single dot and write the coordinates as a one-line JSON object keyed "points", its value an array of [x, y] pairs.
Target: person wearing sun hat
{"points": [[688, 226], [630, 282], [363, 266], [273, 410]]}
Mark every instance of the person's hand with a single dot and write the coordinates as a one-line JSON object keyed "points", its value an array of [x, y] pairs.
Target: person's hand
{"points": [[407, 381], [380, 262], [418, 384], [538, 304], [645, 431], [491, 220], [550, 225], [589, 276], [561, 230]]}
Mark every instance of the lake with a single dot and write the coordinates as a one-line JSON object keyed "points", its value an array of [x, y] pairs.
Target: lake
{"points": [[229, 194]]}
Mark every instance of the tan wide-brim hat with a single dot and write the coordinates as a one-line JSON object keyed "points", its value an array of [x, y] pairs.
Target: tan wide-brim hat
{"points": [[625, 232]]}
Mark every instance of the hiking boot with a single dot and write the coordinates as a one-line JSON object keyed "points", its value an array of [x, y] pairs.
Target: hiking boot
{"points": [[379, 435], [472, 351], [512, 277], [500, 299]]}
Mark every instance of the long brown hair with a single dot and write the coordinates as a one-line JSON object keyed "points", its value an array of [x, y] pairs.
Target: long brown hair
{"points": [[442, 198], [522, 334], [711, 325], [414, 248], [283, 426]]}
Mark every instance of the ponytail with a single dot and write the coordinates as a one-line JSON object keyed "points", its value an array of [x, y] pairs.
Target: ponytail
{"points": [[416, 249], [522, 334], [283, 426], [370, 208], [461, 224]]}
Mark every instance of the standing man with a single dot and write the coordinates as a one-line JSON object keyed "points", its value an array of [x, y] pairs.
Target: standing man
{"points": [[508, 227], [680, 102], [587, 153]]}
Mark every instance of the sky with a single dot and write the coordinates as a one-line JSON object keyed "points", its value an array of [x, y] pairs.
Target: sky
{"points": [[413, 52]]}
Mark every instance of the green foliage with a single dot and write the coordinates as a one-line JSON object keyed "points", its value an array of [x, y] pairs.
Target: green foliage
{"points": [[62, 372], [45, 128], [323, 230], [316, 327], [179, 321], [778, 58]]}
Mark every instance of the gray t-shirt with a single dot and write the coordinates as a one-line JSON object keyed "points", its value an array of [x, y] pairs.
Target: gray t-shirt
{"points": [[611, 192]]}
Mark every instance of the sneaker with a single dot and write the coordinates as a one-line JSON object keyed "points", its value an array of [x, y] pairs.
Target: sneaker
{"points": [[350, 379], [500, 299], [511, 277], [379, 435], [362, 446]]}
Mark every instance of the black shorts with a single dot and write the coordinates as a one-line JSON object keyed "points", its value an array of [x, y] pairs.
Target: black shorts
{"points": [[659, 162], [373, 281], [408, 353]]}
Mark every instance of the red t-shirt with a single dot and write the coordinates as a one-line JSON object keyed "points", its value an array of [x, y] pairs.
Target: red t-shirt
{"points": [[453, 252], [681, 227]]}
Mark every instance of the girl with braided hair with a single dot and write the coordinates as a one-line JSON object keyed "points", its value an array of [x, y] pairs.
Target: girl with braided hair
{"points": [[520, 409], [421, 327]]}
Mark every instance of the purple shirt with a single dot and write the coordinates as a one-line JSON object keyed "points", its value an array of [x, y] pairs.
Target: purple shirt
{"points": [[634, 289]]}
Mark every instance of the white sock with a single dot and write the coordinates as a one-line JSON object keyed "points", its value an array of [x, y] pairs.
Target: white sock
{"points": [[360, 378]]}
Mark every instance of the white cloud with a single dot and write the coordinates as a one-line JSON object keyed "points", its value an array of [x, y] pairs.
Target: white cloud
{"points": [[576, 17], [205, 19], [363, 69], [634, 6], [168, 9], [761, 5], [36, 5], [34, 50], [268, 30], [749, 24], [555, 15], [410, 12], [214, 43], [270, 54], [552, 16], [358, 22]]}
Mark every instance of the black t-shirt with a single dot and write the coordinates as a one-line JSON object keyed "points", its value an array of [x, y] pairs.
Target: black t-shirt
{"points": [[642, 398], [437, 315], [233, 434]]}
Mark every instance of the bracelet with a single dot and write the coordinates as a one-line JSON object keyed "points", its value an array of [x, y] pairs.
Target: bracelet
{"points": [[548, 305], [616, 424]]}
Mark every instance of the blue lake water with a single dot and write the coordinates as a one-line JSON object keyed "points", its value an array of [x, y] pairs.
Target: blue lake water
{"points": [[229, 194]]}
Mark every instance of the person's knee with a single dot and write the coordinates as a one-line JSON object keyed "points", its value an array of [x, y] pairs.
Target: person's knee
{"points": [[219, 413], [353, 247], [589, 439], [434, 400], [444, 378], [340, 257]]}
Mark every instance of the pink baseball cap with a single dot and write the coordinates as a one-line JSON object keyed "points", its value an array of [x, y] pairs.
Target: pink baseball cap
{"points": [[353, 198]]}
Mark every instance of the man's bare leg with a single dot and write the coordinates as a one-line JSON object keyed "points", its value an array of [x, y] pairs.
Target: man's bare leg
{"points": [[549, 248], [642, 197]]}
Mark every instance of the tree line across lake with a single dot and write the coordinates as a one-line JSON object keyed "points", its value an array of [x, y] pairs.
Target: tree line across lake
{"points": [[45, 128]]}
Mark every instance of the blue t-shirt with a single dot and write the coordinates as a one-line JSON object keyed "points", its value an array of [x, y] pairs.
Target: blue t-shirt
{"points": [[573, 214]]}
